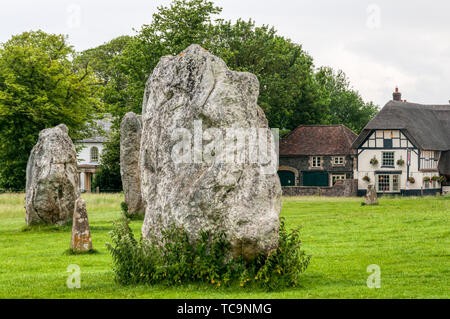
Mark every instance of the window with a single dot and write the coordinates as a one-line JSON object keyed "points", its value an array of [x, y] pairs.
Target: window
{"points": [[336, 178], [395, 183], [338, 160], [94, 154], [384, 183], [387, 183], [388, 159], [429, 159], [316, 161]]}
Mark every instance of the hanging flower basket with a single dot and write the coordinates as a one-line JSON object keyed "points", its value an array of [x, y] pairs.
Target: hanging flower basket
{"points": [[374, 161], [442, 179], [426, 179], [435, 178], [412, 180], [366, 179], [400, 162]]}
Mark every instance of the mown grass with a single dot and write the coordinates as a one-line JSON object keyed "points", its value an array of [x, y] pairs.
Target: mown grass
{"points": [[407, 237]]}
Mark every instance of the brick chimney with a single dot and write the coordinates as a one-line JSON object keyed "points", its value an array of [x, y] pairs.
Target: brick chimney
{"points": [[397, 95]]}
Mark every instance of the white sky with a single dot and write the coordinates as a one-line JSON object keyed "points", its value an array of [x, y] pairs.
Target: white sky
{"points": [[378, 44]]}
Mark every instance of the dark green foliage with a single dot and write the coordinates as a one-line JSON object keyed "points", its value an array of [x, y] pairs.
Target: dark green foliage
{"points": [[44, 83], [177, 260], [292, 90], [124, 208], [345, 105], [39, 88], [108, 179], [289, 93]]}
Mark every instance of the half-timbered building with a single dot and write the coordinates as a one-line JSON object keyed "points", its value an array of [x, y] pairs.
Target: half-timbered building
{"points": [[405, 149]]}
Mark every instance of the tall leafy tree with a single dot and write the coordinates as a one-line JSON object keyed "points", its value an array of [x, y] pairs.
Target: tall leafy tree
{"points": [[292, 91], [108, 179], [126, 63], [39, 88], [346, 105], [289, 92], [173, 29]]}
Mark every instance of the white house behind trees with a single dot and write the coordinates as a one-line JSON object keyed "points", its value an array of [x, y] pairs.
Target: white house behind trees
{"points": [[404, 149], [90, 154]]}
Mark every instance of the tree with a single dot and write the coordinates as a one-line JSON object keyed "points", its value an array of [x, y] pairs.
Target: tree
{"points": [[292, 91], [106, 64], [108, 179], [172, 30], [289, 93], [125, 64], [346, 106], [39, 88]]}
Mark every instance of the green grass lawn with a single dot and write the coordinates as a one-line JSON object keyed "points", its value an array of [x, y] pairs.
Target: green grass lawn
{"points": [[408, 238]]}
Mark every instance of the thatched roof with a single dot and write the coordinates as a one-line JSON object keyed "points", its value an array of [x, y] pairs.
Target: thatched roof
{"points": [[427, 126], [444, 163]]}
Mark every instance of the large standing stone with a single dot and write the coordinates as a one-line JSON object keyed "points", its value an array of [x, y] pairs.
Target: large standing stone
{"points": [[52, 178], [371, 196], [81, 233], [130, 142], [239, 199]]}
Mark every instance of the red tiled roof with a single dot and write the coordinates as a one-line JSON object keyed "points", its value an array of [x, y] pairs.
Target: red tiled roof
{"points": [[318, 140]]}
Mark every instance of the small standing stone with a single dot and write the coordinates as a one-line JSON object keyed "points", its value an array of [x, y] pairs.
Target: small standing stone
{"points": [[81, 233], [371, 196]]}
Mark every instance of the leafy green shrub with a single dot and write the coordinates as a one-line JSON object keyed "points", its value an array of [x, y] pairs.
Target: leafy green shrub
{"points": [[124, 208], [174, 260], [107, 180]]}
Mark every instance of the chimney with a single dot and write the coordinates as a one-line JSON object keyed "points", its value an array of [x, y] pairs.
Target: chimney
{"points": [[397, 95]]}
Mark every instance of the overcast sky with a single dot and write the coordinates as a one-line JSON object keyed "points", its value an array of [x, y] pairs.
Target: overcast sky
{"points": [[378, 44]]}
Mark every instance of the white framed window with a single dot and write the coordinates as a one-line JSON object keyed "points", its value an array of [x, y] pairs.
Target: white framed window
{"points": [[316, 161], [338, 161], [388, 183], [388, 159], [338, 177], [94, 154], [429, 159]]}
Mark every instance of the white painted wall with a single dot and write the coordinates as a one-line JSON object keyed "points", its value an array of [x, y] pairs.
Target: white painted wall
{"points": [[84, 156], [364, 168]]}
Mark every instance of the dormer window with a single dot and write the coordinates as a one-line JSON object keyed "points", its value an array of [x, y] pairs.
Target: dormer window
{"points": [[94, 154]]}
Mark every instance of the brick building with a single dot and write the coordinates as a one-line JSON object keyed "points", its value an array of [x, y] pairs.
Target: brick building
{"points": [[317, 156]]}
